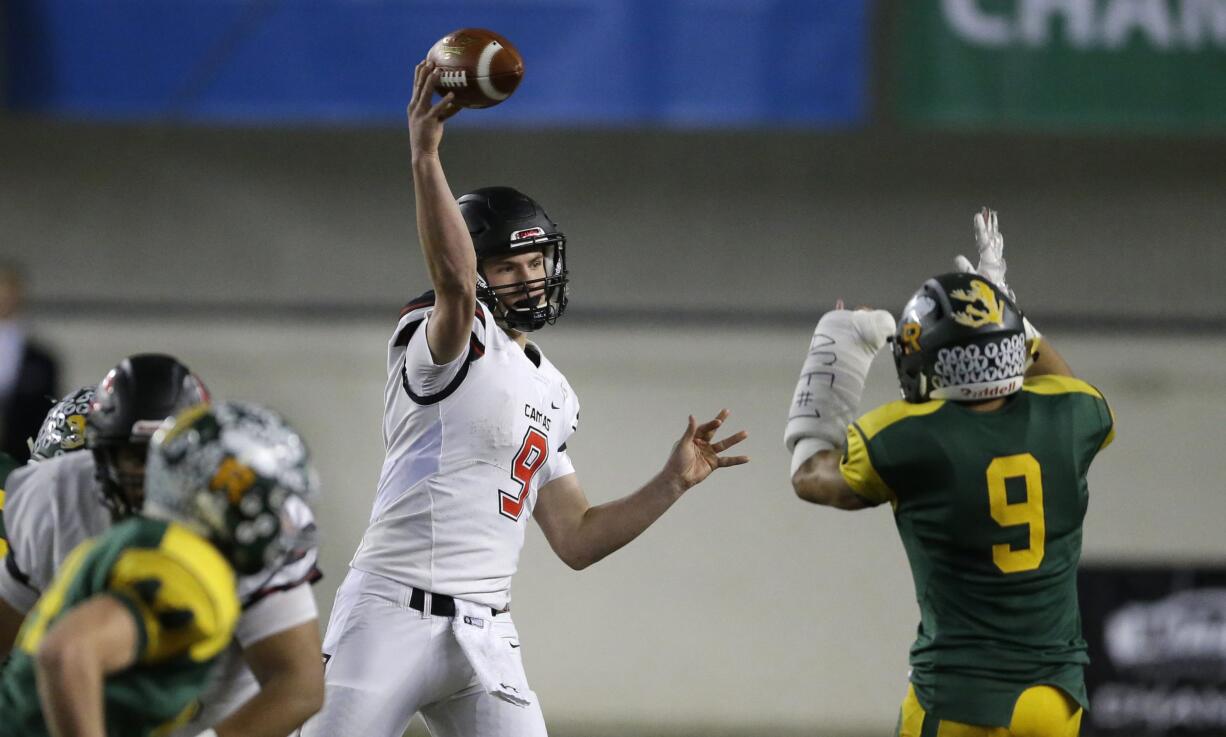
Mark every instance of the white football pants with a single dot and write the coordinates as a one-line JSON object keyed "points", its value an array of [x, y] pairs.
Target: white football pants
{"points": [[385, 662]]}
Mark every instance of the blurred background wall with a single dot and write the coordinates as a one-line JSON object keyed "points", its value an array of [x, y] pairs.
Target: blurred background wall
{"points": [[228, 181]]}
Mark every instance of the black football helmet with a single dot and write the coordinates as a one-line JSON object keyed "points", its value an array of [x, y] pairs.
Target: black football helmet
{"points": [[959, 338], [129, 405], [502, 222]]}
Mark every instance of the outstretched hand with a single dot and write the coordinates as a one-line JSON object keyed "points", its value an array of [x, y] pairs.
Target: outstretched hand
{"points": [[695, 456], [991, 246], [425, 117]]}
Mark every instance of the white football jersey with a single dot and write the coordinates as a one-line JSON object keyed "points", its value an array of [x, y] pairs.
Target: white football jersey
{"points": [[52, 506], [468, 445]]}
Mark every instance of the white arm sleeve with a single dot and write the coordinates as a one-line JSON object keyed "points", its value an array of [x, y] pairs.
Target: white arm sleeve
{"points": [[276, 613], [827, 395]]}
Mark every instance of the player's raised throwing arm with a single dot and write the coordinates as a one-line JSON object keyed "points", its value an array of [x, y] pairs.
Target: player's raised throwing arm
{"points": [[445, 242], [581, 534]]}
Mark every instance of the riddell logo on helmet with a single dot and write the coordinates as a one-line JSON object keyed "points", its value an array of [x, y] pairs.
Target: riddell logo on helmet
{"points": [[527, 233], [989, 392]]}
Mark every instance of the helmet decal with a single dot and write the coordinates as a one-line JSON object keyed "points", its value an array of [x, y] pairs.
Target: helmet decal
{"points": [[983, 308], [63, 430], [976, 364], [526, 234], [909, 335]]}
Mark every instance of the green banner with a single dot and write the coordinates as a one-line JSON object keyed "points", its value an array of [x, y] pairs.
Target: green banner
{"points": [[1063, 64]]}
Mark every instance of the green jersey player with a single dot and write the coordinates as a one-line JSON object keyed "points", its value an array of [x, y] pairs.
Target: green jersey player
{"points": [[123, 640], [984, 464]]}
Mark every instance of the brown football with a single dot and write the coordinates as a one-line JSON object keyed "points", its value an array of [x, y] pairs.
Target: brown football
{"points": [[479, 66]]}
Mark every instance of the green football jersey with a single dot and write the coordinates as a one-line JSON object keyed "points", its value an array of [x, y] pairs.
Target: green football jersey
{"points": [[989, 506], [181, 594]]}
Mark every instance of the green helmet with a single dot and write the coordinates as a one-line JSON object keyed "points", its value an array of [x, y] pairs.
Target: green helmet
{"points": [[63, 429], [232, 472]]}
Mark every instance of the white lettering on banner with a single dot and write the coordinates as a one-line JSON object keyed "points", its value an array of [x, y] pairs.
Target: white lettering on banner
{"points": [[1092, 24], [1201, 20], [1149, 17], [1076, 17], [974, 25], [1184, 633]]}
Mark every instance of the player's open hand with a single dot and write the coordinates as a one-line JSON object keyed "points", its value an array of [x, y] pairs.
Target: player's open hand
{"points": [[696, 454], [425, 116], [991, 246]]}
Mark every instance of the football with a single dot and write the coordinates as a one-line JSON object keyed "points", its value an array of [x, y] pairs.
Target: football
{"points": [[481, 67]]}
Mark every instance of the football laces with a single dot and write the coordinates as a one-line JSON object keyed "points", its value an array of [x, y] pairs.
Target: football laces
{"points": [[453, 78]]}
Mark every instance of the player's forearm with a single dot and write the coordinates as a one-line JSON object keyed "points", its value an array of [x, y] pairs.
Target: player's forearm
{"points": [[287, 666], [280, 707], [444, 237], [819, 481], [1047, 361], [70, 688], [608, 527]]}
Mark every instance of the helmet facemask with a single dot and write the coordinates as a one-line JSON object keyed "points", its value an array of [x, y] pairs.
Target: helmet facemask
{"points": [[120, 470], [530, 305]]}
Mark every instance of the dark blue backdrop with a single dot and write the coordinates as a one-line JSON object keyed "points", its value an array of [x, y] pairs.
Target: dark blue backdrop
{"points": [[587, 62]]}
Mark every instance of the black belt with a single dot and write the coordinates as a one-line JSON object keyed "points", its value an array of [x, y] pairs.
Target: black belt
{"points": [[441, 605]]}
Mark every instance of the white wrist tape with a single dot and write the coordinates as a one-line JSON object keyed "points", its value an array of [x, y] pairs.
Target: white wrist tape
{"points": [[208, 733], [827, 395]]}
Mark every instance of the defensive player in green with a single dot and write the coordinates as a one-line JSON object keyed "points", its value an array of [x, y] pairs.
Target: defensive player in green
{"points": [[122, 641], [984, 463]]}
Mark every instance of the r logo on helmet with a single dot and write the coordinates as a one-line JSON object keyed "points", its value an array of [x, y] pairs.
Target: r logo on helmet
{"points": [[909, 335]]}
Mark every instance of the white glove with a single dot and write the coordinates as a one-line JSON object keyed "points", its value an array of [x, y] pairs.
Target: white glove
{"points": [[991, 244], [831, 383]]}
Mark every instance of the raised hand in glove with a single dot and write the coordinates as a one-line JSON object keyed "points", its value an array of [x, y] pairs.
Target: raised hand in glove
{"points": [[991, 244]]}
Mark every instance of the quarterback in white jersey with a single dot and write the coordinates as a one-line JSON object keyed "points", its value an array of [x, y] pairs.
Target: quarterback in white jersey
{"points": [[476, 425], [53, 505], [494, 419]]}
